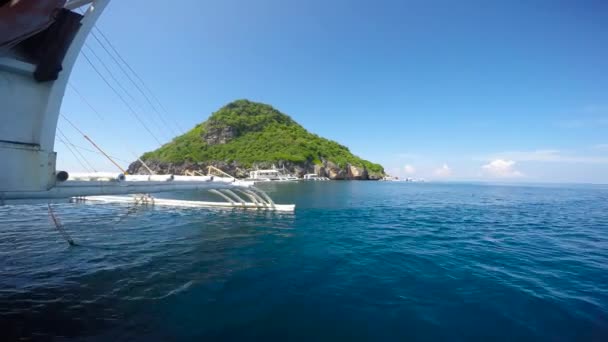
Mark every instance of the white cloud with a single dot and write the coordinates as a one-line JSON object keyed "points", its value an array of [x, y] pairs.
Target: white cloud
{"points": [[601, 147], [443, 171], [501, 169], [409, 169]]}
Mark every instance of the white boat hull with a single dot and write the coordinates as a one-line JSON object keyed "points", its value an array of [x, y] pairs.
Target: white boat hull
{"points": [[191, 204]]}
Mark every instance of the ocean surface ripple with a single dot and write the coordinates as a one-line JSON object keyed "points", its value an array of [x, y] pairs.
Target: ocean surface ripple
{"points": [[356, 261]]}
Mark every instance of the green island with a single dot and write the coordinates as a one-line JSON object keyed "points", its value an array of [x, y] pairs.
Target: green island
{"points": [[245, 135]]}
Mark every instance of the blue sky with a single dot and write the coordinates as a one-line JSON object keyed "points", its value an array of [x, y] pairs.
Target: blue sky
{"points": [[447, 90]]}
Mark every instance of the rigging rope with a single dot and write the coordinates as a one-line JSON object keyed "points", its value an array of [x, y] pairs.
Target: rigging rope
{"points": [[179, 128], [94, 144], [166, 125], [81, 10], [84, 167], [121, 97], [85, 101], [102, 119], [64, 139], [60, 228], [127, 93], [96, 152]]}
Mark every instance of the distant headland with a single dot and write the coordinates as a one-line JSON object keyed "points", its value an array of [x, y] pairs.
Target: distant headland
{"points": [[244, 136]]}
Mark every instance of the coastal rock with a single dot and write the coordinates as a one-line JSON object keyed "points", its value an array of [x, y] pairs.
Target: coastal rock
{"points": [[219, 135], [375, 176], [335, 172], [319, 170], [355, 172], [326, 169]]}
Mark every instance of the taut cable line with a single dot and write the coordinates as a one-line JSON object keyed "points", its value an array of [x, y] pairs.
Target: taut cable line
{"points": [[126, 73], [94, 144], [83, 98], [179, 128], [121, 98], [62, 138]]}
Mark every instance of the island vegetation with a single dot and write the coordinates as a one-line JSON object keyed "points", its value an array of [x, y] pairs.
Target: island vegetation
{"points": [[245, 135]]}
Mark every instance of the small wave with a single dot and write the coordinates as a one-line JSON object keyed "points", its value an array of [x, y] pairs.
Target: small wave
{"points": [[175, 291]]}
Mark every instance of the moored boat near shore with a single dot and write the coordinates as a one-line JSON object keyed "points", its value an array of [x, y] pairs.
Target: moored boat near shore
{"points": [[271, 175], [315, 177]]}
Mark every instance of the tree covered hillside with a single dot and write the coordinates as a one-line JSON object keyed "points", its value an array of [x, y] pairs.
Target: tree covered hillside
{"points": [[247, 133]]}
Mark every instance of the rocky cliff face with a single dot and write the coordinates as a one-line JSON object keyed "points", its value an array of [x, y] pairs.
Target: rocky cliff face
{"points": [[326, 169], [219, 135]]}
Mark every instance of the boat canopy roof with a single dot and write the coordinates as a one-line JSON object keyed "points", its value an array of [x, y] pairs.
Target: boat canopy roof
{"points": [[21, 19]]}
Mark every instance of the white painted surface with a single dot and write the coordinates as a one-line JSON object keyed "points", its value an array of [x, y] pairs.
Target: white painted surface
{"points": [[192, 204], [96, 188], [148, 178], [29, 114], [74, 4], [15, 66], [33, 171], [96, 176]]}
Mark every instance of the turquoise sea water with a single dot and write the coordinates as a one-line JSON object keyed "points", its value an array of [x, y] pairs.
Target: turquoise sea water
{"points": [[356, 261]]}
